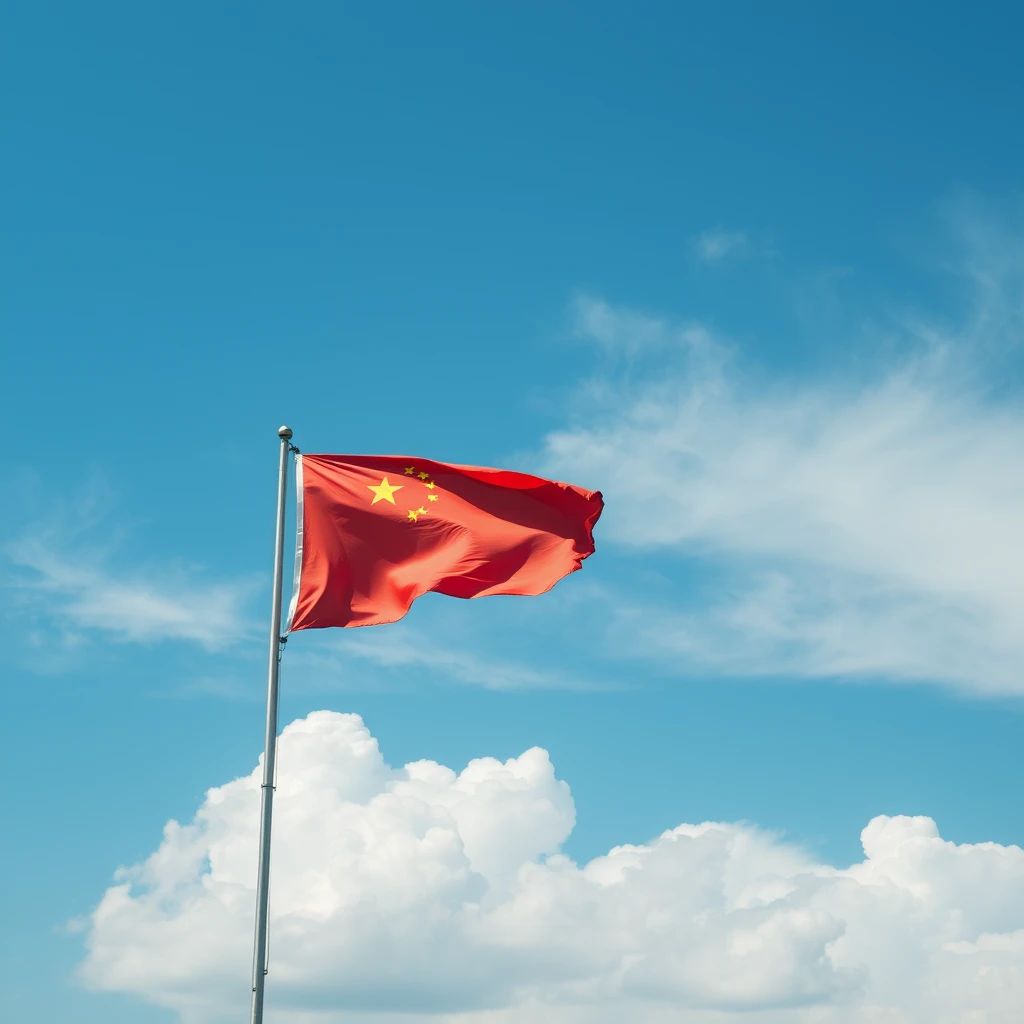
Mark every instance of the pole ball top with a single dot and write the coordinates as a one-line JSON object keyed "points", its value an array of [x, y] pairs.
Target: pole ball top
{"points": [[285, 433]]}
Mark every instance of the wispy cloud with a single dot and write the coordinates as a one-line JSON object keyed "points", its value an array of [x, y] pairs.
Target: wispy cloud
{"points": [[992, 266], [714, 246], [402, 647], [69, 588], [614, 328], [166, 604], [66, 581], [631, 333], [854, 527]]}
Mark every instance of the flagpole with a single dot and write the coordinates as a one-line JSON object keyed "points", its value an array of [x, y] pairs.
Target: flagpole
{"points": [[259, 956]]}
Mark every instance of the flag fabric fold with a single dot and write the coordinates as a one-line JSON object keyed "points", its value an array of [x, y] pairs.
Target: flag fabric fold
{"points": [[376, 532]]}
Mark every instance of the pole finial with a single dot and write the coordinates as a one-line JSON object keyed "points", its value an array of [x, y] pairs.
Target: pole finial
{"points": [[285, 433]]}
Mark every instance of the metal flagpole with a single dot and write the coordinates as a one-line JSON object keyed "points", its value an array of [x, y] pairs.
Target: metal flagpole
{"points": [[259, 956]]}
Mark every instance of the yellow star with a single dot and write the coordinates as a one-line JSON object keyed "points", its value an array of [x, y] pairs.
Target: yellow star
{"points": [[431, 485], [432, 497], [415, 513], [423, 476], [409, 470], [383, 492]]}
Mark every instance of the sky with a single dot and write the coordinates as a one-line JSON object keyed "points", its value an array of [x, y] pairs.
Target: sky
{"points": [[756, 272]]}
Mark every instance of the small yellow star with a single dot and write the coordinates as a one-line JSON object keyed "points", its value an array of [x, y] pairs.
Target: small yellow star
{"points": [[423, 476], [432, 497], [409, 470], [383, 491], [415, 513], [431, 485]]}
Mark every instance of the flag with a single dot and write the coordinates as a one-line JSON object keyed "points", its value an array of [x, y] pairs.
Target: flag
{"points": [[376, 532]]}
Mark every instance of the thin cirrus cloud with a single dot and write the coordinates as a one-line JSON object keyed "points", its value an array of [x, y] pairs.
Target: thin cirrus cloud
{"points": [[434, 641], [716, 245], [867, 528], [81, 595], [401, 647], [855, 526], [422, 893]]}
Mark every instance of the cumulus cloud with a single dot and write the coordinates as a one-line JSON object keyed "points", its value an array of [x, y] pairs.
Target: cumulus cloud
{"points": [[865, 527], [422, 893]]}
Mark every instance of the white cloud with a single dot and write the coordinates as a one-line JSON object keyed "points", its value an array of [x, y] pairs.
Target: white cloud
{"points": [[442, 896], [403, 646], [83, 594], [616, 329], [714, 246], [867, 528]]}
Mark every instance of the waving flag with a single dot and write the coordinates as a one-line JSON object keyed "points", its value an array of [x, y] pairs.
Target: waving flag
{"points": [[376, 532]]}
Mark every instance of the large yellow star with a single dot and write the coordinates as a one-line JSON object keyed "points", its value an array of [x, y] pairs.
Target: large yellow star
{"points": [[383, 491]]}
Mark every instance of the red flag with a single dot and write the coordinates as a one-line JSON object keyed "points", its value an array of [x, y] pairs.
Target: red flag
{"points": [[376, 532]]}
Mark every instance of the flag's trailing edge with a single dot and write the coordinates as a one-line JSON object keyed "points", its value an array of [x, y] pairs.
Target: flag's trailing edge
{"points": [[297, 575], [376, 532]]}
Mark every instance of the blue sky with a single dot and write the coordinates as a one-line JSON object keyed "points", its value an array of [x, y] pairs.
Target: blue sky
{"points": [[755, 273]]}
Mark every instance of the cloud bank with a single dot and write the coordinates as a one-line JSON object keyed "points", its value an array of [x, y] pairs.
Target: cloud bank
{"points": [[420, 893], [866, 528]]}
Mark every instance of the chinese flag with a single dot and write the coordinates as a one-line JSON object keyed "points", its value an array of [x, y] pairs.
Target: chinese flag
{"points": [[376, 532]]}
